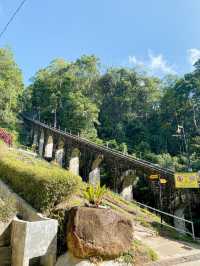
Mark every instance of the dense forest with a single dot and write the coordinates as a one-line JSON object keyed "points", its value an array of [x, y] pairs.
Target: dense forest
{"points": [[148, 117]]}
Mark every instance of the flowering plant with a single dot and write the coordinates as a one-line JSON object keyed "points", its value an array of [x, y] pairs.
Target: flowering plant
{"points": [[5, 136]]}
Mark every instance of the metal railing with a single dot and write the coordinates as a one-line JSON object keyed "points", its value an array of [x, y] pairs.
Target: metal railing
{"points": [[170, 215]]}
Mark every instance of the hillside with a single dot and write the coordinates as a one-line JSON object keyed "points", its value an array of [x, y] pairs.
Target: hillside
{"points": [[22, 166]]}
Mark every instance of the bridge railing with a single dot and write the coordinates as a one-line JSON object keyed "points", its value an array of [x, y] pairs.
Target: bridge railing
{"points": [[141, 162], [162, 213]]}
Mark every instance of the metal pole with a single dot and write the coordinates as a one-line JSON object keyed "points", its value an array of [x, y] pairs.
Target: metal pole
{"points": [[189, 169], [161, 207], [193, 234], [186, 147], [55, 119]]}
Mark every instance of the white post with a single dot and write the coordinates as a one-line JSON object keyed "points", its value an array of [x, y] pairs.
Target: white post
{"points": [[41, 144]]}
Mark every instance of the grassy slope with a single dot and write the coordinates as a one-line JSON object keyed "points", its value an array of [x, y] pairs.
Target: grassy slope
{"points": [[42, 184]]}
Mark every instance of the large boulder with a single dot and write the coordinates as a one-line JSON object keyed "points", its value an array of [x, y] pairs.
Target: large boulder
{"points": [[96, 232]]}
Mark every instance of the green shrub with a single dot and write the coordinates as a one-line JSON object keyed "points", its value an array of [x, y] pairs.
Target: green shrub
{"points": [[39, 183], [94, 194]]}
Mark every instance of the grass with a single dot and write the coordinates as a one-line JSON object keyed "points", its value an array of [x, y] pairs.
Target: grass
{"points": [[7, 209], [139, 254], [145, 218]]}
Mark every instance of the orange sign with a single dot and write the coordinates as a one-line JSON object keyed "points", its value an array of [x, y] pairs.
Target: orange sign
{"points": [[153, 177]]}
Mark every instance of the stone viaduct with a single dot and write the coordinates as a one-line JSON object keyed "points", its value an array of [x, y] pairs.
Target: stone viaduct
{"points": [[94, 163]]}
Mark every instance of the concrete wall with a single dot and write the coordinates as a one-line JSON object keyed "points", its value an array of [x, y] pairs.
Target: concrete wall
{"points": [[34, 236], [5, 249], [34, 239]]}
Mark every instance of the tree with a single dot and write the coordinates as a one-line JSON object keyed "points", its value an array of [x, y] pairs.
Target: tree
{"points": [[63, 94], [180, 106], [11, 87], [128, 102]]}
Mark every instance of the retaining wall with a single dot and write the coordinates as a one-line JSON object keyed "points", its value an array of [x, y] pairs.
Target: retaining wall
{"points": [[32, 236]]}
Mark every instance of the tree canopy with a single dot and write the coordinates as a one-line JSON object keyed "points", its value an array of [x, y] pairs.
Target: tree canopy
{"points": [[11, 87], [130, 111]]}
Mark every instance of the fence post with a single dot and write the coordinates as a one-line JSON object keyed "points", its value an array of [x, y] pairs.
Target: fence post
{"points": [[193, 234]]}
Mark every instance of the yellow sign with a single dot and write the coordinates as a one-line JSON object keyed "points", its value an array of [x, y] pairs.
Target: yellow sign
{"points": [[186, 180], [163, 181], [152, 177]]}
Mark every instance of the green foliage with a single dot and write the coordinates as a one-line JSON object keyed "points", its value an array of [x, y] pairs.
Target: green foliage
{"points": [[130, 111], [128, 100], [11, 87], [94, 194], [41, 184], [64, 93], [139, 254], [127, 258], [145, 250], [7, 209]]}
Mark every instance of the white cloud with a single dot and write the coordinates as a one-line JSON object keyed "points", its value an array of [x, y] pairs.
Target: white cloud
{"points": [[156, 64], [134, 61], [193, 55], [159, 64]]}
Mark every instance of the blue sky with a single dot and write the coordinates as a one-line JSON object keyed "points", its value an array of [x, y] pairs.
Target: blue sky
{"points": [[162, 36]]}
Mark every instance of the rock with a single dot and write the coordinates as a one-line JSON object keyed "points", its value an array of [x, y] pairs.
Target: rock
{"points": [[69, 260], [96, 232]]}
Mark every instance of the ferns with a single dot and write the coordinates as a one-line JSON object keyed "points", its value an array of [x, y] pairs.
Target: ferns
{"points": [[94, 194]]}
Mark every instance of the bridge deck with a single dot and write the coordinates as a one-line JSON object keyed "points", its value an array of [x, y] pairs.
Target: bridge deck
{"points": [[143, 164]]}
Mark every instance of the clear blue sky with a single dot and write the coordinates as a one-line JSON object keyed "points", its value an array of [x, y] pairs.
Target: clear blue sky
{"points": [[162, 35]]}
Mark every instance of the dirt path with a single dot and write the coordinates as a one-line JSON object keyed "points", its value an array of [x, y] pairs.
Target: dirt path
{"points": [[170, 252]]}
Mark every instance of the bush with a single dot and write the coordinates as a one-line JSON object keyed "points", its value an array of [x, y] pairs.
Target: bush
{"points": [[39, 183], [94, 194]]}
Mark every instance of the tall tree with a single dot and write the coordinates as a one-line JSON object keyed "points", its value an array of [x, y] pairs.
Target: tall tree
{"points": [[128, 102], [63, 94], [11, 87]]}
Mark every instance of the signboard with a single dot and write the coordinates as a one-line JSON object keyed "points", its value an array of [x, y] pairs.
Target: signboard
{"points": [[153, 177], [163, 181], [186, 180]]}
